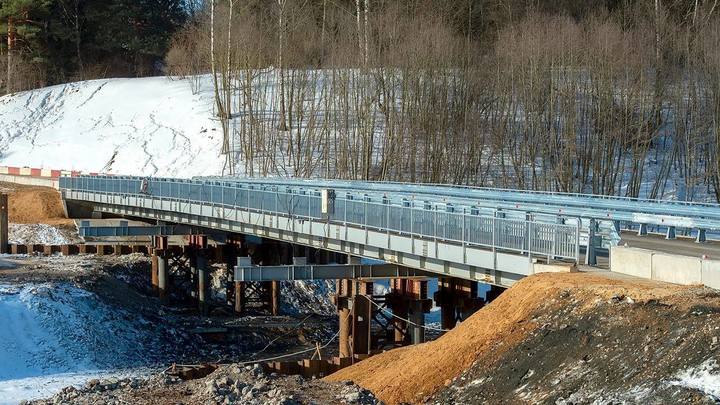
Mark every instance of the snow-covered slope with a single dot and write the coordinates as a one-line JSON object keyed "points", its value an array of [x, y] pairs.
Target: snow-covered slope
{"points": [[148, 126]]}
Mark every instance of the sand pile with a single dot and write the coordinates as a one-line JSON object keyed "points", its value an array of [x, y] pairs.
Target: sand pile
{"points": [[413, 374], [35, 205]]}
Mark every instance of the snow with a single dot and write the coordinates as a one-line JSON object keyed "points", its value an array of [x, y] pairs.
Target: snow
{"points": [[146, 126], [705, 378], [55, 335], [41, 234]]}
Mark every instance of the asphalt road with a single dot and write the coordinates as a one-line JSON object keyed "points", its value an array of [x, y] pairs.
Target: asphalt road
{"points": [[680, 246]]}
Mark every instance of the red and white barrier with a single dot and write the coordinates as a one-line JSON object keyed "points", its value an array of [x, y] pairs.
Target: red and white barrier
{"points": [[37, 176], [41, 172]]}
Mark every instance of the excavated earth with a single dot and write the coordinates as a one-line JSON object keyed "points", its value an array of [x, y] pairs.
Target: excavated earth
{"points": [[34, 205], [564, 339]]}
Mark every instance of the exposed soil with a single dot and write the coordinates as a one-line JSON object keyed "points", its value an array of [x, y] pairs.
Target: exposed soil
{"points": [[594, 333], [35, 205]]}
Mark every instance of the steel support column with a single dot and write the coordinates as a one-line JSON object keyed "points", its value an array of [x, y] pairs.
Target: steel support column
{"points": [[202, 275], [163, 291], [417, 317], [398, 303], [342, 301], [154, 271], [457, 300]]}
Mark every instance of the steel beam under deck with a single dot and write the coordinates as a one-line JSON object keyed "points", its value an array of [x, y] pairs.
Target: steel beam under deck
{"points": [[87, 230], [245, 271]]}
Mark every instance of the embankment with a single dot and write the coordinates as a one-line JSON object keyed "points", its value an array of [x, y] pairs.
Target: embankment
{"points": [[538, 342]]}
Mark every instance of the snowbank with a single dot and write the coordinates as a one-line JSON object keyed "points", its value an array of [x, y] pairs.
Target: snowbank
{"points": [[147, 126], [704, 378], [54, 335]]}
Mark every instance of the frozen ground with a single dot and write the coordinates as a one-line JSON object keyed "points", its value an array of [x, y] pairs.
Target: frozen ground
{"points": [[55, 334]]}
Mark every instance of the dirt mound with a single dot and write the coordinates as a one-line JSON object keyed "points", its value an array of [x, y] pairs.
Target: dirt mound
{"points": [[653, 349], [35, 205], [414, 374]]}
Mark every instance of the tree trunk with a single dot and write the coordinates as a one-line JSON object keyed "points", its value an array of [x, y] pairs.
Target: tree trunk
{"points": [[11, 38]]}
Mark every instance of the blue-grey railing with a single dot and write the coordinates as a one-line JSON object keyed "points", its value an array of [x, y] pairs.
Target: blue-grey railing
{"points": [[422, 219]]}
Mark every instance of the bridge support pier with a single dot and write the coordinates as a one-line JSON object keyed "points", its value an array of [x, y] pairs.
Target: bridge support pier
{"points": [[197, 252], [362, 310], [398, 303], [408, 300], [670, 233], [230, 254], [239, 297], [274, 298], [202, 275], [457, 300], [154, 271], [494, 292], [342, 302], [355, 313], [417, 317], [163, 292], [159, 269], [701, 236]]}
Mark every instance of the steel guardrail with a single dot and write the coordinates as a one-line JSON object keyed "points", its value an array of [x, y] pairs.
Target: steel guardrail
{"points": [[695, 215], [423, 219]]}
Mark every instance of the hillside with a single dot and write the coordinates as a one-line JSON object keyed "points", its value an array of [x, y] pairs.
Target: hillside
{"points": [[563, 338], [149, 126]]}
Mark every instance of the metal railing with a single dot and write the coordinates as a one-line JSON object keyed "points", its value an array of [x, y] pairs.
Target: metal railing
{"points": [[432, 221], [637, 211]]}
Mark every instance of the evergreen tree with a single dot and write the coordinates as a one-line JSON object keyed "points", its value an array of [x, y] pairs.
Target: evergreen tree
{"points": [[23, 23]]}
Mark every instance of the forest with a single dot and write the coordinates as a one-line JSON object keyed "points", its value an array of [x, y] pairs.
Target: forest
{"points": [[618, 97], [56, 41]]}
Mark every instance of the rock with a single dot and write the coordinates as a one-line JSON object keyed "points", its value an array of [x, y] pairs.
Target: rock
{"points": [[352, 397]]}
